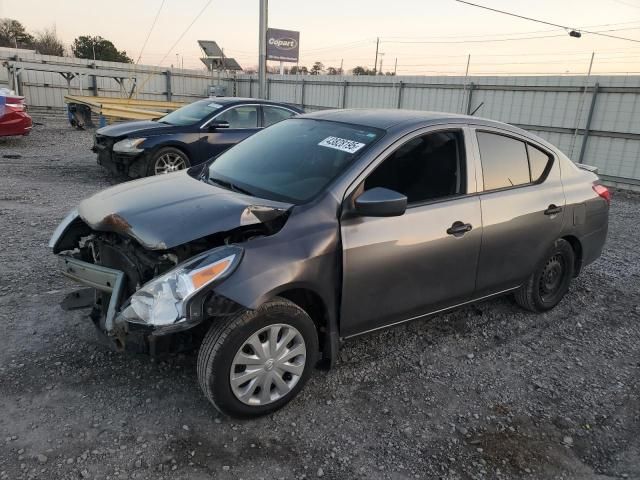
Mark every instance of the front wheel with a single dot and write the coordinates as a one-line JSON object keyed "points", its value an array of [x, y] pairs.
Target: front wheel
{"points": [[544, 289], [255, 362], [167, 160]]}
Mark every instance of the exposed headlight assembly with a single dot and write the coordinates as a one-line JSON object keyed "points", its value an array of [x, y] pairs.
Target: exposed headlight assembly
{"points": [[129, 145], [163, 300]]}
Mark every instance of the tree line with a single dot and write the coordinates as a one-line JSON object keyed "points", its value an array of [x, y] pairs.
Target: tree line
{"points": [[46, 42], [318, 68]]}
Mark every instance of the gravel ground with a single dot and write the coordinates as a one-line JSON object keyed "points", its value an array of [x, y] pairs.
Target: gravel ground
{"points": [[488, 391]]}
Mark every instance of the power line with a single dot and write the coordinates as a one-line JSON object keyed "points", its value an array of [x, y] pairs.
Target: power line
{"points": [[175, 43], [150, 30], [473, 41], [547, 23], [517, 33], [185, 31], [498, 39]]}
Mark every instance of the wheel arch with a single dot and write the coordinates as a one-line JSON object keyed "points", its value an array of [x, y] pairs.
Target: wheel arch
{"points": [[171, 144], [317, 308], [576, 245]]}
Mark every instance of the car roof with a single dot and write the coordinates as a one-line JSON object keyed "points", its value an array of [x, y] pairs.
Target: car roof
{"points": [[235, 100], [389, 118]]}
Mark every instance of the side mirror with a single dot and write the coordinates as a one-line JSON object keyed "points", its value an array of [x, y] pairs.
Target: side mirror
{"points": [[217, 125], [381, 202]]}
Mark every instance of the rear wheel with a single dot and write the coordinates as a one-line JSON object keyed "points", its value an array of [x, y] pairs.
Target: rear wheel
{"points": [[257, 361], [167, 160], [544, 289]]}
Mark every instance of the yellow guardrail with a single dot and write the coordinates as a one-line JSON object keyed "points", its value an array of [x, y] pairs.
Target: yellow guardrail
{"points": [[123, 108]]}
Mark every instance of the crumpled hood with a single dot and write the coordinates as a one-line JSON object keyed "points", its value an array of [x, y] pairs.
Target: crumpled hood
{"points": [[165, 211], [138, 128]]}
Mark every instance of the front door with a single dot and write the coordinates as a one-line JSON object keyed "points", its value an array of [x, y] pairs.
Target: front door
{"points": [[398, 268], [243, 122]]}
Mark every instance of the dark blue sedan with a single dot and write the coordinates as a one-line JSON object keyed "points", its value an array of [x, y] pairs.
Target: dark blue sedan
{"points": [[188, 136]]}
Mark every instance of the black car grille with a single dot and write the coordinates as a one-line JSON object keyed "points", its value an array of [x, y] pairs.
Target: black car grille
{"points": [[103, 142]]}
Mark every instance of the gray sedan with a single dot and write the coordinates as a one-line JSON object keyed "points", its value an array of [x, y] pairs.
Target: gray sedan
{"points": [[324, 227]]}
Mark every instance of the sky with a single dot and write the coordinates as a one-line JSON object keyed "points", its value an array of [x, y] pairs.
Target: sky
{"points": [[427, 37]]}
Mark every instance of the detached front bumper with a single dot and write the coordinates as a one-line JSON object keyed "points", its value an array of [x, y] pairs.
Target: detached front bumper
{"points": [[119, 333], [128, 164], [100, 278], [115, 331]]}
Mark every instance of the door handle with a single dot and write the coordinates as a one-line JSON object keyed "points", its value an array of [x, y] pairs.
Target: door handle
{"points": [[459, 228], [552, 210]]}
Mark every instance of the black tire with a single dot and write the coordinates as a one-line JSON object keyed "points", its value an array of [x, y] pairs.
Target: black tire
{"points": [[162, 155], [225, 338], [544, 289]]}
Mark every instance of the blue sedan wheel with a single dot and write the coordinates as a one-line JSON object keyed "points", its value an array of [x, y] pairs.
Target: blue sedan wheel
{"points": [[168, 160]]}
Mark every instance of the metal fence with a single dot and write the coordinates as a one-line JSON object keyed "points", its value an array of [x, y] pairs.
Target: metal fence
{"points": [[44, 79], [595, 120]]}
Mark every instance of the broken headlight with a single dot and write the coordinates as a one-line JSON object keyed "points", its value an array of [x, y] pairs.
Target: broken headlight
{"points": [[163, 300], [129, 145]]}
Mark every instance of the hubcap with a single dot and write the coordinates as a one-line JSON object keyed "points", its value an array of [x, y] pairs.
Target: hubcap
{"points": [[169, 162], [552, 276], [268, 365]]}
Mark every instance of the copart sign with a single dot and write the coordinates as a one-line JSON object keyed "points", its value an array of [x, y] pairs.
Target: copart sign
{"points": [[283, 45]]}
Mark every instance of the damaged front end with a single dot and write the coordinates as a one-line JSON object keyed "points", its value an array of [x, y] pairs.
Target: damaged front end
{"points": [[153, 300]]}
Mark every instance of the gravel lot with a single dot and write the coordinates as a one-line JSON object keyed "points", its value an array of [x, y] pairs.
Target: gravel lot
{"points": [[488, 391]]}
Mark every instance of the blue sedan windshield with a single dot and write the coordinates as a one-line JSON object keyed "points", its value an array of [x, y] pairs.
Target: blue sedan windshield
{"points": [[192, 113], [293, 160]]}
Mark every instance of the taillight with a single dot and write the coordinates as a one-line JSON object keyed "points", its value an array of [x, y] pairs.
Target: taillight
{"points": [[603, 191], [15, 103]]}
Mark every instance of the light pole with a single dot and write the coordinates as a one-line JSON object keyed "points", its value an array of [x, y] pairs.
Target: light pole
{"points": [[262, 44]]}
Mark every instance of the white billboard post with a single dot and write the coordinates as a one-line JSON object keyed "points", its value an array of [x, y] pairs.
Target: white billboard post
{"points": [[262, 60]]}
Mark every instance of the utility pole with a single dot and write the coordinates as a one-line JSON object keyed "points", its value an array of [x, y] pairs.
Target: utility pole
{"points": [[262, 61], [395, 67], [375, 64], [582, 98], [341, 63]]}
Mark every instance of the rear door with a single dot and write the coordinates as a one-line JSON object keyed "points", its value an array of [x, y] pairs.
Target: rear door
{"points": [[243, 122], [522, 207], [398, 268]]}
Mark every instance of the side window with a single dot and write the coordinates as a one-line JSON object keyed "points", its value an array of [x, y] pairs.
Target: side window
{"points": [[274, 115], [538, 162], [504, 161], [240, 117], [425, 168]]}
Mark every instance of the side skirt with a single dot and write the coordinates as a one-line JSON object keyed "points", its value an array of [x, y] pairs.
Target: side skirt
{"points": [[446, 309]]}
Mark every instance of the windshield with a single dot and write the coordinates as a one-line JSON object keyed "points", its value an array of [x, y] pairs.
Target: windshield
{"points": [[192, 113], [293, 160]]}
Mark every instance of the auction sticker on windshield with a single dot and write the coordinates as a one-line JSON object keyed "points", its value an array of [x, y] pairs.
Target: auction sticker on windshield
{"points": [[342, 144]]}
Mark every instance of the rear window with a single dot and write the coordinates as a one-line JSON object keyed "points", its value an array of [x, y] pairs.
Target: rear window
{"points": [[538, 162], [504, 161]]}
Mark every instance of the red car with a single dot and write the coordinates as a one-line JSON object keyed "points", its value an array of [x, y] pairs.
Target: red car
{"points": [[14, 119]]}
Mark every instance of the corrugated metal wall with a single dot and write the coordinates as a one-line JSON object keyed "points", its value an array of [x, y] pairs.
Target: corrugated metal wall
{"points": [[552, 107], [47, 88]]}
